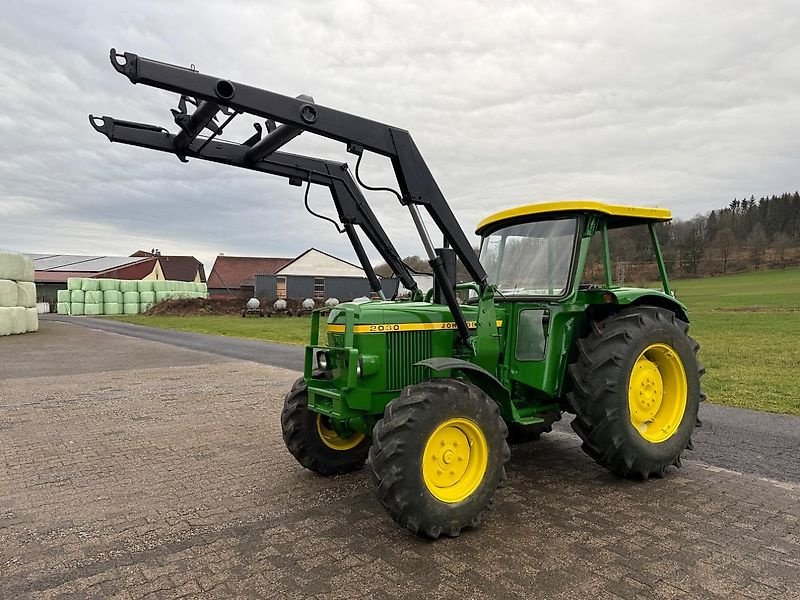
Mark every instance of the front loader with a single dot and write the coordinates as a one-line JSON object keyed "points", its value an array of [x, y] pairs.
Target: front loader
{"points": [[431, 390]]}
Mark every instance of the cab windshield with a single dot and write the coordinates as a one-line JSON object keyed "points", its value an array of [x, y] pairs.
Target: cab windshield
{"points": [[530, 259]]}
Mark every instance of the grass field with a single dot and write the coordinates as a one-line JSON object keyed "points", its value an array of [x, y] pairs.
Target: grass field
{"points": [[748, 326]]}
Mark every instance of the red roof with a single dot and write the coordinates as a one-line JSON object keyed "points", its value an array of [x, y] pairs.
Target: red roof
{"points": [[60, 276], [136, 271], [177, 268], [236, 271]]}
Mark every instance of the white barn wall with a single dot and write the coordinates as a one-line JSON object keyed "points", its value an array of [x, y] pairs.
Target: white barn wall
{"points": [[320, 264], [424, 283]]}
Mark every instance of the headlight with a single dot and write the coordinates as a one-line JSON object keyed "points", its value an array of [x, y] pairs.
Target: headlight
{"points": [[323, 360]]}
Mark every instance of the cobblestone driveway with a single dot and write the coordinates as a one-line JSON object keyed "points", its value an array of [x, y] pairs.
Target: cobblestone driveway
{"points": [[172, 481]]}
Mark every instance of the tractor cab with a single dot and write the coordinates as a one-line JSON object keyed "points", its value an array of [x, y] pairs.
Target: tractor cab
{"points": [[540, 250], [535, 257]]}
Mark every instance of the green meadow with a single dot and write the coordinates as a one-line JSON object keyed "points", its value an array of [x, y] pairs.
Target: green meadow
{"points": [[748, 326]]}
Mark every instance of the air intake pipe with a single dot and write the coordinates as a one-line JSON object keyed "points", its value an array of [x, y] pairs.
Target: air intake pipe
{"points": [[448, 256]]}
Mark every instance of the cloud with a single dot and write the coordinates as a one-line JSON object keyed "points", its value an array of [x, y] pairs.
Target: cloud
{"points": [[679, 104]]}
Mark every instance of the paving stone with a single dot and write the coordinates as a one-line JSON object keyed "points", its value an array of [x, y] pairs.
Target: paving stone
{"points": [[170, 480]]}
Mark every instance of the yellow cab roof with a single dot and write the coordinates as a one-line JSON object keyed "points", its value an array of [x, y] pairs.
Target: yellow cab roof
{"points": [[621, 215]]}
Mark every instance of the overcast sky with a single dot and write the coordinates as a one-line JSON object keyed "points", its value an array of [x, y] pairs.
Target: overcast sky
{"points": [[676, 104]]}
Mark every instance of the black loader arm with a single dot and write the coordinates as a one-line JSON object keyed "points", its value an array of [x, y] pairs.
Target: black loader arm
{"points": [[350, 204], [213, 95]]}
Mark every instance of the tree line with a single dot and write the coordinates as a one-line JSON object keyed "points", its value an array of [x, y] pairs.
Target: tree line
{"points": [[748, 234]]}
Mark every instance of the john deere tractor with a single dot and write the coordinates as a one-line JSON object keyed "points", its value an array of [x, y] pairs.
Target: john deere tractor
{"points": [[429, 390]]}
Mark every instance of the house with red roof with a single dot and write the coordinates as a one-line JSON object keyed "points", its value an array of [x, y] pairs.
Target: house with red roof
{"points": [[312, 274]]}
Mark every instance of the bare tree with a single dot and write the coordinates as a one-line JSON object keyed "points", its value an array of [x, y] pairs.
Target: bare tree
{"points": [[757, 243], [723, 243], [781, 242]]}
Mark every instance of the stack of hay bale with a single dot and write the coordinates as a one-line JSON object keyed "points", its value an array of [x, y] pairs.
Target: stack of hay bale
{"points": [[118, 297], [17, 295]]}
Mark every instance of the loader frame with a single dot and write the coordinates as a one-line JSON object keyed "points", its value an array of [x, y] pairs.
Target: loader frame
{"points": [[213, 95]]}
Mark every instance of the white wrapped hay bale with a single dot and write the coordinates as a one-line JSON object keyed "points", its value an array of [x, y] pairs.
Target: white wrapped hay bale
{"points": [[130, 297], [74, 283], [145, 285], [202, 287], [26, 294], [161, 296], [147, 297], [112, 308], [92, 310], [76, 308], [128, 286], [112, 297], [90, 285], [13, 266], [18, 320], [130, 309], [31, 320], [159, 286], [5, 320], [109, 285], [77, 296], [63, 307], [93, 297], [8, 293], [145, 306], [28, 271], [64, 296]]}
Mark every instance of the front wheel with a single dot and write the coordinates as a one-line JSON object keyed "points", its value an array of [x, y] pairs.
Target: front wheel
{"points": [[636, 391], [438, 455], [313, 439]]}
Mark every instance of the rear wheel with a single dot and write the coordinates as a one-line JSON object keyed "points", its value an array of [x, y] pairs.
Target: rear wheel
{"points": [[313, 439], [636, 391], [438, 455]]}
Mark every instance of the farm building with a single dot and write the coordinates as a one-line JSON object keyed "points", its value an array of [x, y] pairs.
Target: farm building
{"points": [[423, 280], [236, 275], [312, 274], [177, 268]]}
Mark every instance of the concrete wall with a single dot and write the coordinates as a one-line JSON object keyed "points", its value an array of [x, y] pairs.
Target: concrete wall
{"points": [[157, 273]]}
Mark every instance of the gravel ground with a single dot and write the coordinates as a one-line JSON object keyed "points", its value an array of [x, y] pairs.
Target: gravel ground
{"points": [[160, 472]]}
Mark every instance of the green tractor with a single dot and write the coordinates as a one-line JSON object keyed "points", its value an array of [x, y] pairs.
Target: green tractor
{"points": [[392, 384], [429, 390]]}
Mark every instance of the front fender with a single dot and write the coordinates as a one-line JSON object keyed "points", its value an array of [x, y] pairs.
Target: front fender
{"points": [[477, 375]]}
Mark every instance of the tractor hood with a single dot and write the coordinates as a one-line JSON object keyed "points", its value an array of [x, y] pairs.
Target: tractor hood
{"points": [[385, 315]]}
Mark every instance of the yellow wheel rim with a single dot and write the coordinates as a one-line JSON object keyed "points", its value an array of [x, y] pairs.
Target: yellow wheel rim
{"points": [[657, 393], [454, 460], [332, 440]]}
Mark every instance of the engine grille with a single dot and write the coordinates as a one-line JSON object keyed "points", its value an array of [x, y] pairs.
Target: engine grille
{"points": [[403, 349]]}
